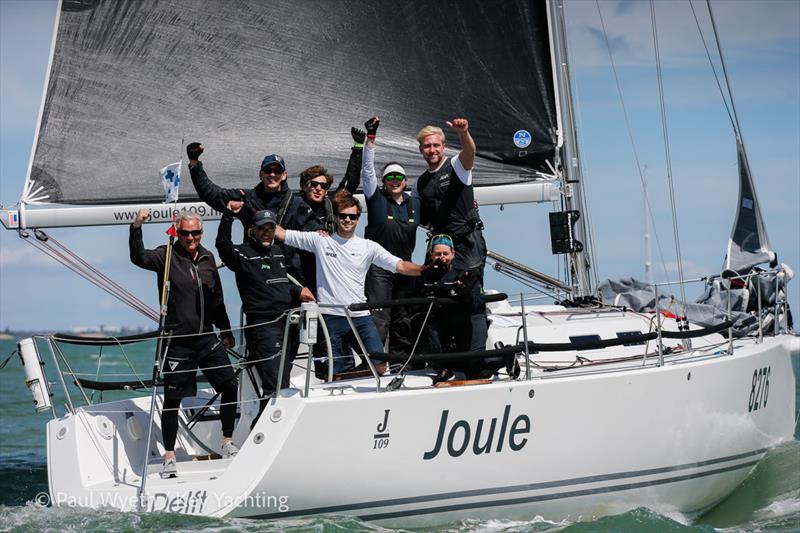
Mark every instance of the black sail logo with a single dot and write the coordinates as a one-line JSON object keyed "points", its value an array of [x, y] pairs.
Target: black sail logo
{"points": [[460, 435]]}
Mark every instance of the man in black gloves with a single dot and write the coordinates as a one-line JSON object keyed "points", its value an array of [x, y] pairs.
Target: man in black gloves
{"points": [[260, 265], [194, 307], [271, 193]]}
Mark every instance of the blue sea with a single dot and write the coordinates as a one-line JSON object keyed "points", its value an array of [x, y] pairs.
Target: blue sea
{"points": [[769, 500]]}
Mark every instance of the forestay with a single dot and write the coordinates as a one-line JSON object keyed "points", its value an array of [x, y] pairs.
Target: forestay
{"points": [[132, 82]]}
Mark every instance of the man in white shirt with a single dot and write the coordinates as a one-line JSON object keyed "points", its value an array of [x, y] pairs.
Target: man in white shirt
{"points": [[342, 261]]}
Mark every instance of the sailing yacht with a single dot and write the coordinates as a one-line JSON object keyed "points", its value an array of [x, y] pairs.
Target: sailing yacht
{"points": [[619, 403]]}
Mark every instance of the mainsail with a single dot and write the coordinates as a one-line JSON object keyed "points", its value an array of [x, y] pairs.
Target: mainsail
{"points": [[749, 244], [133, 81]]}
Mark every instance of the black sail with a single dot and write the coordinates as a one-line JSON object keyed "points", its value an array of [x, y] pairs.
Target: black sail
{"points": [[749, 244], [133, 81]]}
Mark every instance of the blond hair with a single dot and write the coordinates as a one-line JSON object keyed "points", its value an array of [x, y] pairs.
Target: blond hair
{"points": [[429, 130]]}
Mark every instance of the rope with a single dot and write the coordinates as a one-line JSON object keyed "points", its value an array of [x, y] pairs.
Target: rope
{"points": [[4, 363], [639, 165], [711, 63], [416, 342], [78, 265], [667, 155]]}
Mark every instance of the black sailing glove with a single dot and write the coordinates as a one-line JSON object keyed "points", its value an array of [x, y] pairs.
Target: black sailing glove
{"points": [[359, 136], [193, 150], [372, 127]]}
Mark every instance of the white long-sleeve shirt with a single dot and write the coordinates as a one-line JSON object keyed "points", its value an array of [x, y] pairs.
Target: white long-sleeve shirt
{"points": [[342, 266]]}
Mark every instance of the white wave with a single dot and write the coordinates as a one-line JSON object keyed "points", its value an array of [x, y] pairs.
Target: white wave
{"points": [[779, 508], [498, 525]]}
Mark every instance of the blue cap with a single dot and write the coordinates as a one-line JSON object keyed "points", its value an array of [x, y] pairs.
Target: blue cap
{"points": [[264, 217], [273, 159]]}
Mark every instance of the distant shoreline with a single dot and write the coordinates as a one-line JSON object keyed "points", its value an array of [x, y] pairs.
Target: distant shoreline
{"points": [[10, 335]]}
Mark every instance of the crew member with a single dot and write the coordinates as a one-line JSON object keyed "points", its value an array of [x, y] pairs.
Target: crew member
{"points": [[446, 194], [462, 327], [271, 193], [342, 263], [315, 185], [392, 220], [195, 305], [267, 294]]}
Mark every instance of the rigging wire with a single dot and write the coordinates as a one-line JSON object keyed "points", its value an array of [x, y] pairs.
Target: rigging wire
{"points": [[72, 261], [642, 179], [711, 63], [736, 126], [667, 155], [585, 206]]}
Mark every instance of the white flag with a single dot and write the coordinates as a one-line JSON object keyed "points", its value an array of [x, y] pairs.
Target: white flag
{"points": [[171, 180]]}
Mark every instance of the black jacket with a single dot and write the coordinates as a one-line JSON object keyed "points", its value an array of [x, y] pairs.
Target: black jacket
{"points": [[323, 212], [297, 215], [265, 290], [324, 216], [196, 302], [463, 285]]}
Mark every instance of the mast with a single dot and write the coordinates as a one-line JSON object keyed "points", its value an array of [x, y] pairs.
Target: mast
{"points": [[574, 209]]}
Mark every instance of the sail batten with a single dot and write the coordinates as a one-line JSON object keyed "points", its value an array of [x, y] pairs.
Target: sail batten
{"points": [[131, 82]]}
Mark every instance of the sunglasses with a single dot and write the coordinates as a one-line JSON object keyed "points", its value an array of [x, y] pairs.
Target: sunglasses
{"points": [[348, 216], [394, 177], [193, 233], [272, 170], [324, 185]]}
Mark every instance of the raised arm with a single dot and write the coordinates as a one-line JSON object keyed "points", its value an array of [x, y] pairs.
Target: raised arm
{"points": [[467, 154], [225, 247], [141, 257], [369, 179], [352, 176], [207, 190]]}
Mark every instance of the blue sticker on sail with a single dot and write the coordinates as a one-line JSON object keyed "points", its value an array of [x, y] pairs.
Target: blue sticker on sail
{"points": [[747, 203], [522, 139]]}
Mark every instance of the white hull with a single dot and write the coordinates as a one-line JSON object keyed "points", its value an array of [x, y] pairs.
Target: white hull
{"points": [[589, 442]]}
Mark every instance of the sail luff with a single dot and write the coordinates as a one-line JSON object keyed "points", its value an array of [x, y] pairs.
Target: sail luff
{"points": [[28, 184]]}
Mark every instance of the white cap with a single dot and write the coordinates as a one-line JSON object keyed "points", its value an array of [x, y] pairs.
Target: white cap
{"points": [[393, 168]]}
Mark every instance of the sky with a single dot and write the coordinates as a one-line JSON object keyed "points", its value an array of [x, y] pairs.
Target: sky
{"points": [[761, 43]]}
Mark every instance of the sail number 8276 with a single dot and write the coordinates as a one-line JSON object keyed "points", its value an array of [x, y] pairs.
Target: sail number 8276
{"points": [[759, 389]]}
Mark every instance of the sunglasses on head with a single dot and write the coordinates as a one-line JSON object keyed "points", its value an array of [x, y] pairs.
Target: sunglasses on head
{"points": [[187, 232], [348, 216], [324, 185], [394, 177]]}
